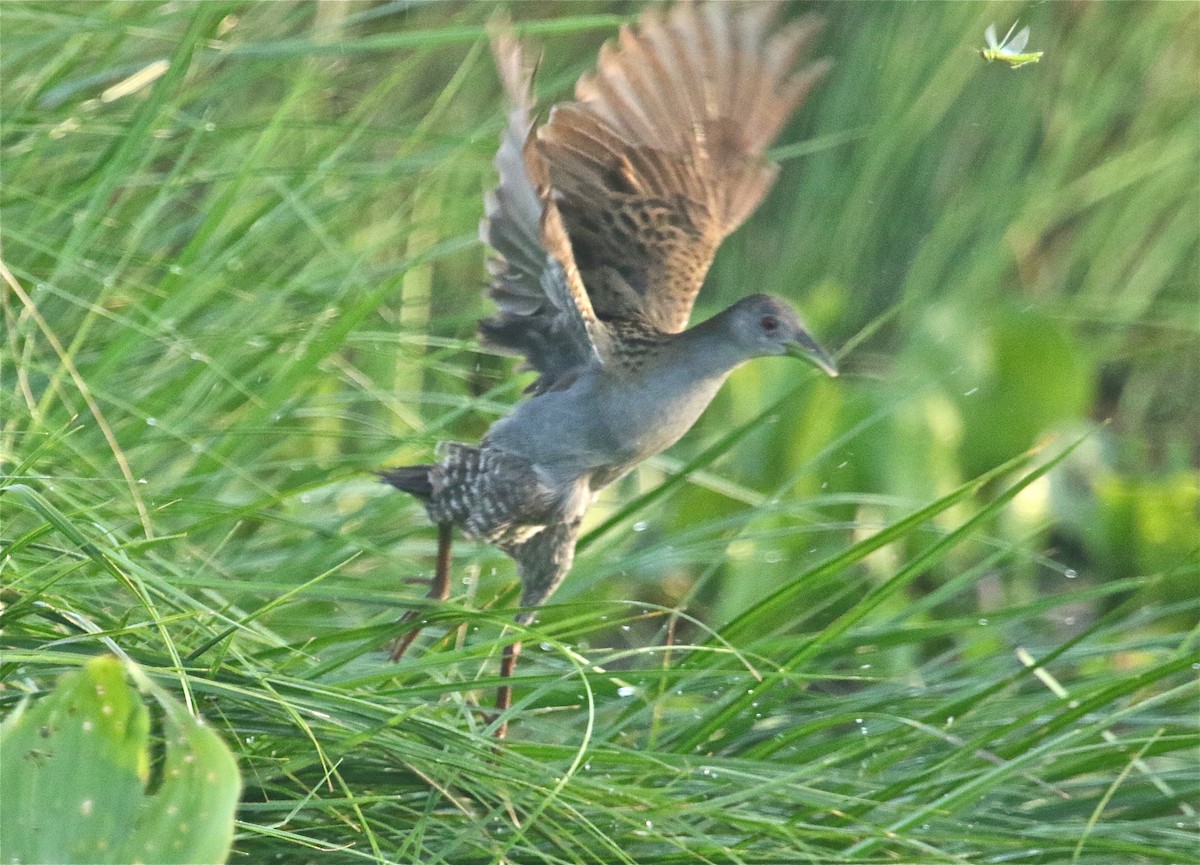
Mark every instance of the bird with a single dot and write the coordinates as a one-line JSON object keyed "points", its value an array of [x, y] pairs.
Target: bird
{"points": [[603, 225]]}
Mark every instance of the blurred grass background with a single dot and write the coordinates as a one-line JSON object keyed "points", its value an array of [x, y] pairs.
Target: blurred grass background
{"points": [[241, 272]]}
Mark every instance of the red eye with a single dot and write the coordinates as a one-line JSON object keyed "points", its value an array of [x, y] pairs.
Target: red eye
{"points": [[769, 323]]}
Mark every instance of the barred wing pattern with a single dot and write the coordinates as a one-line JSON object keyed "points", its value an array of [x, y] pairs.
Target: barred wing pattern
{"points": [[612, 212], [662, 155]]}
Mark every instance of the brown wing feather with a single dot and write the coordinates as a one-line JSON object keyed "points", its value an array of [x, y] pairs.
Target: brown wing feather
{"points": [[662, 155], [544, 310]]}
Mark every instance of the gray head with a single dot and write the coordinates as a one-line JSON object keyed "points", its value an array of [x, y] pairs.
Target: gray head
{"points": [[764, 325]]}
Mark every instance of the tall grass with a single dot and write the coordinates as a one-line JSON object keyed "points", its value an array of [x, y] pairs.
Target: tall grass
{"points": [[942, 609]]}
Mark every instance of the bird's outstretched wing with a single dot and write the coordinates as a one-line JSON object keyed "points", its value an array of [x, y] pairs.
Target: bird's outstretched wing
{"points": [[544, 310], [662, 155]]}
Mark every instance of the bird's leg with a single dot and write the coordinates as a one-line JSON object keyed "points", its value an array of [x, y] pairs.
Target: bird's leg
{"points": [[504, 693], [542, 560], [439, 590]]}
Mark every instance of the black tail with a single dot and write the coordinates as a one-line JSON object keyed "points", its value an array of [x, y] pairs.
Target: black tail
{"points": [[410, 479]]}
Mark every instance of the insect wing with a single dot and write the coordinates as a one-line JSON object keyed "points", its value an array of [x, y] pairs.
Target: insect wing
{"points": [[989, 36], [1018, 42], [1004, 41]]}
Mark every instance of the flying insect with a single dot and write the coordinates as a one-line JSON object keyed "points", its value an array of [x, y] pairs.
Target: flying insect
{"points": [[1010, 48]]}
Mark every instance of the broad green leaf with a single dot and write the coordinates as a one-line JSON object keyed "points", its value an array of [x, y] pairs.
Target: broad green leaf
{"points": [[79, 786]]}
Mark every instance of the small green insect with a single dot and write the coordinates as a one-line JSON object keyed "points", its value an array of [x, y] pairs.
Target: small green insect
{"points": [[1009, 50]]}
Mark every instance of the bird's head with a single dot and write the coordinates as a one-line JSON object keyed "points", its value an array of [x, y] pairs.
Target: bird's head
{"points": [[765, 325]]}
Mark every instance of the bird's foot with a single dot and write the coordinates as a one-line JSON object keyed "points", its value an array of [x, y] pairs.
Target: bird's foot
{"points": [[504, 693], [439, 590], [401, 643]]}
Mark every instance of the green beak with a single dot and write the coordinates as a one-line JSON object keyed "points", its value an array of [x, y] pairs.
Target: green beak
{"points": [[806, 348]]}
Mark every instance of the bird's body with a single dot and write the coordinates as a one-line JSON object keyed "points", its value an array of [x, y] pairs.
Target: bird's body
{"points": [[604, 223], [614, 416]]}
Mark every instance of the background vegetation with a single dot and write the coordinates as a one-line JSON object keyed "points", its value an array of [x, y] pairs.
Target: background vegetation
{"points": [[941, 609]]}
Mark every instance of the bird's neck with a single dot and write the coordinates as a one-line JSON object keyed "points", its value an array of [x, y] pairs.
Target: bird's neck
{"points": [[686, 370], [706, 352]]}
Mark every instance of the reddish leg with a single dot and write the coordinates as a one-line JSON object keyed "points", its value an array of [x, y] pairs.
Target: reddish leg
{"points": [[439, 590], [504, 693]]}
